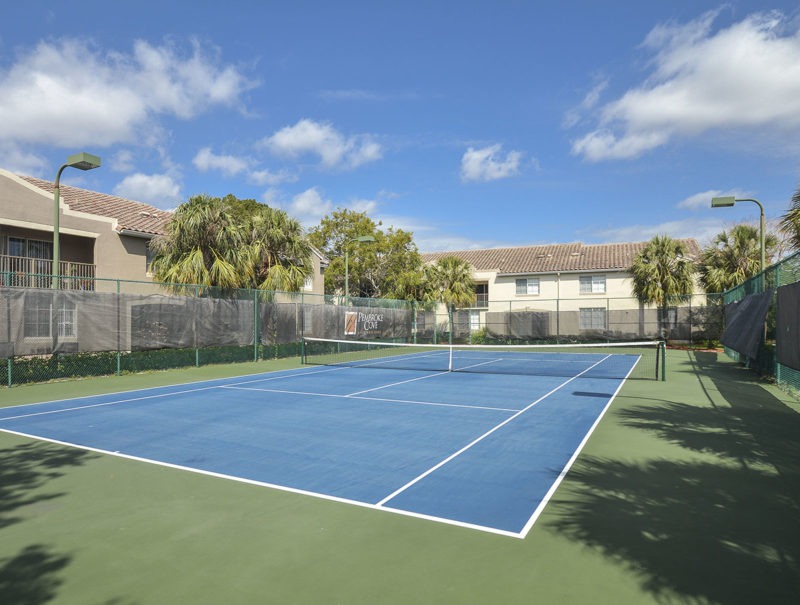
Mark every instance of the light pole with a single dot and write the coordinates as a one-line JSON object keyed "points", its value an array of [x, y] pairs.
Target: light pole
{"points": [[81, 161], [359, 239], [720, 202]]}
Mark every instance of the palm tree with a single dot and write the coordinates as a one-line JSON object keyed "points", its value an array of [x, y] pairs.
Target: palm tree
{"points": [[281, 253], [203, 245], [449, 281], [229, 244], [790, 222], [662, 274], [733, 257]]}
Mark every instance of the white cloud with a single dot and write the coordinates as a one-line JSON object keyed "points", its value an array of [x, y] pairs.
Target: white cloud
{"points": [[229, 165], [333, 148], [159, 190], [745, 76], [574, 116], [267, 177], [19, 161], [701, 230], [70, 94], [123, 161], [309, 206], [702, 200], [486, 164], [361, 205]]}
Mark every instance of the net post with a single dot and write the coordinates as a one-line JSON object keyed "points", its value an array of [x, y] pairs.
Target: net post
{"points": [[303, 350], [662, 348]]}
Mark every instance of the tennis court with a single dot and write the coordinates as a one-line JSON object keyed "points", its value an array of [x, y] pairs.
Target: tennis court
{"points": [[482, 447]]}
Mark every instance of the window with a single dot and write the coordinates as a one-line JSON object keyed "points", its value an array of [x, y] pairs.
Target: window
{"points": [[482, 295], [148, 257], [38, 317], [592, 318], [30, 248], [308, 285], [529, 286], [593, 284], [474, 321]]}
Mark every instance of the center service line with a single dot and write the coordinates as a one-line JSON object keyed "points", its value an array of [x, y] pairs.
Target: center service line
{"points": [[486, 434]]}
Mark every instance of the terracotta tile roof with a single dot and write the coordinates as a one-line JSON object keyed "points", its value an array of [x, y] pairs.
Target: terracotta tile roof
{"points": [[130, 215], [554, 257]]}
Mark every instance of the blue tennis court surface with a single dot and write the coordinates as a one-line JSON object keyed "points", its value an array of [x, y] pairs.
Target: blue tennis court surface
{"points": [[479, 450]]}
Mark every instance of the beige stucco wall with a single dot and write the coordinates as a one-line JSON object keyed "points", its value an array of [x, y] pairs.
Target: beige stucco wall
{"points": [[565, 288], [26, 211]]}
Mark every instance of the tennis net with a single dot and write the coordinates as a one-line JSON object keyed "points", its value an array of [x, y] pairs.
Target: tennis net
{"points": [[644, 360]]}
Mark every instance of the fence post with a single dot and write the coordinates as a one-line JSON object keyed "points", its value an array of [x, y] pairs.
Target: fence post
{"points": [[194, 327], [255, 325], [414, 321], [119, 325], [8, 331]]}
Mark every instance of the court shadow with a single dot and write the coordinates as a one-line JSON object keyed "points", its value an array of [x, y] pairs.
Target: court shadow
{"points": [[690, 532], [26, 468], [592, 394], [720, 524], [31, 576]]}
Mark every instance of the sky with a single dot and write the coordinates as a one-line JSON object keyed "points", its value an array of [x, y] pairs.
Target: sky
{"points": [[471, 124]]}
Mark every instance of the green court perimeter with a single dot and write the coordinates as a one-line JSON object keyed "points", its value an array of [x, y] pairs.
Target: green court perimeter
{"points": [[687, 492]]}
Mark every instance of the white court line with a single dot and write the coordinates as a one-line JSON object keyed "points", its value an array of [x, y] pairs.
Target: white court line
{"points": [[283, 488], [284, 374], [154, 396], [386, 386], [105, 403], [571, 461], [355, 396], [482, 437]]}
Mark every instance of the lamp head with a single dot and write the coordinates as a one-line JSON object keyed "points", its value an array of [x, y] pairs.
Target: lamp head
{"points": [[365, 238], [83, 161], [719, 202]]}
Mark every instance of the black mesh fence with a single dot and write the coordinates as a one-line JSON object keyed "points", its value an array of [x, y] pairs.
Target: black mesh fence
{"points": [[115, 326], [777, 347], [564, 321]]}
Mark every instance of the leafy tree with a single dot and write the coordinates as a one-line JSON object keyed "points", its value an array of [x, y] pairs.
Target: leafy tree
{"points": [[376, 269], [663, 273], [790, 222], [230, 243], [733, 257]]}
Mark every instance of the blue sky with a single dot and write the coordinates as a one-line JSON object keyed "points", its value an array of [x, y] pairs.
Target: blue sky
{"points": [[472, 124]]}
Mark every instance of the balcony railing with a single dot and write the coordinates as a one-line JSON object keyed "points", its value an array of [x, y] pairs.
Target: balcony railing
{"points": [[482, 300], [25, 272]]}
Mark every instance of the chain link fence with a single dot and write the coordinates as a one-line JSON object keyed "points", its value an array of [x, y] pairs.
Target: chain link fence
{"points": [[779, 353], [548, 321], [105, 327], [117, 326]]}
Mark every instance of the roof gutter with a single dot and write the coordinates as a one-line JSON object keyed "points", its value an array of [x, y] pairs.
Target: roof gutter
{"points": [[563, 272], [139, 234]]}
